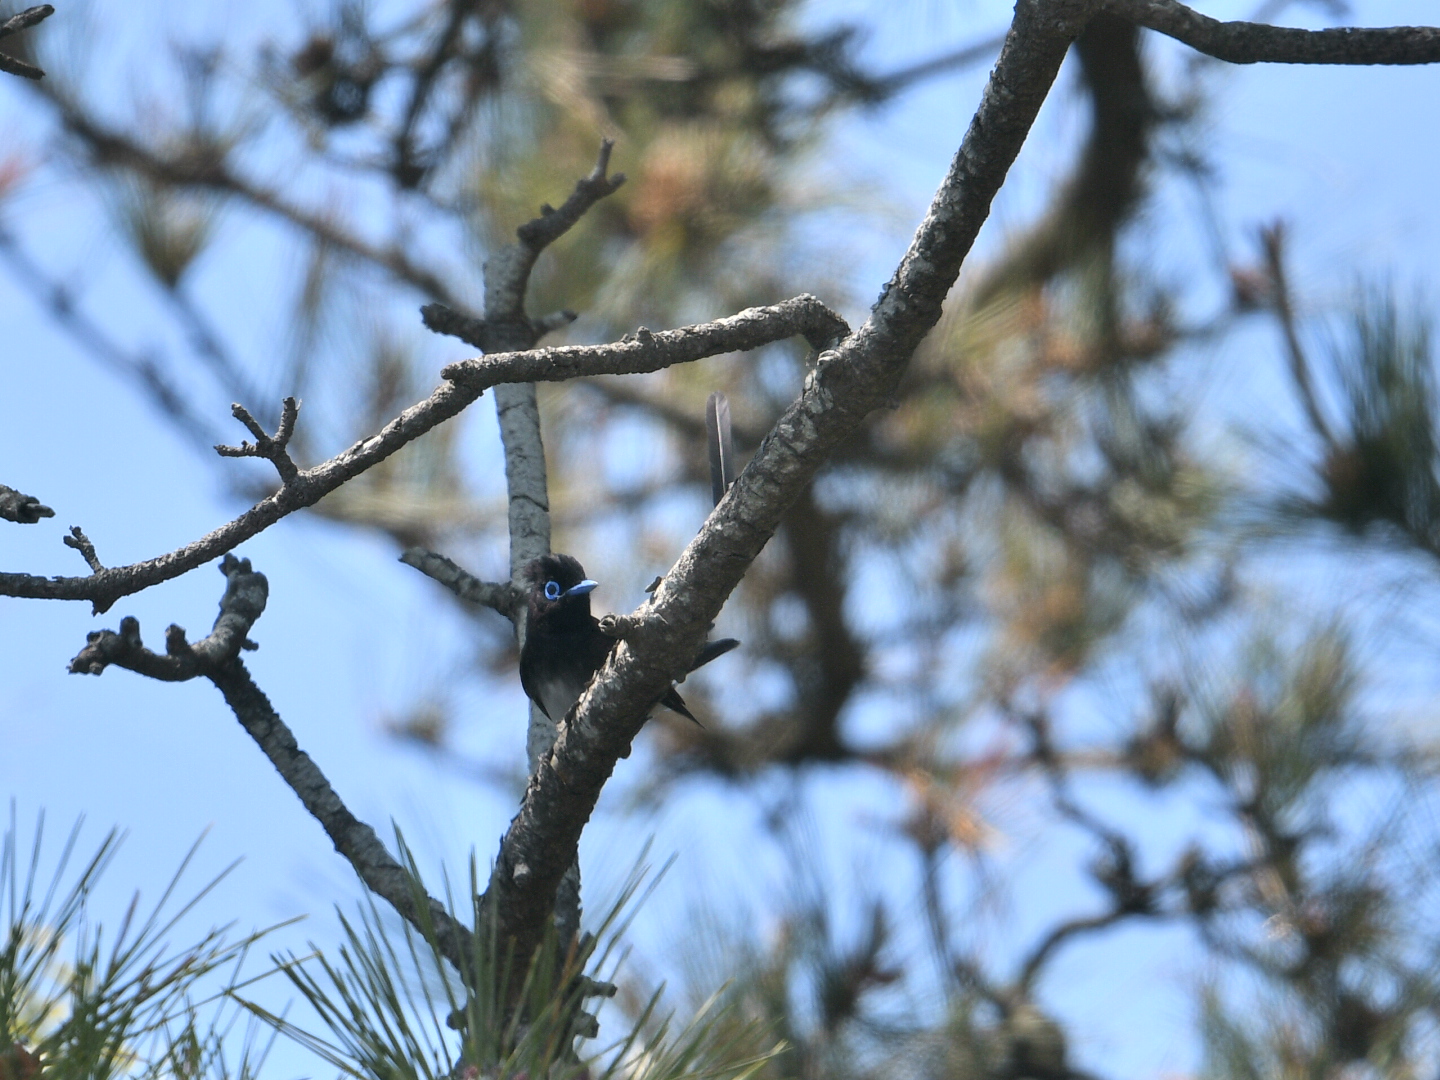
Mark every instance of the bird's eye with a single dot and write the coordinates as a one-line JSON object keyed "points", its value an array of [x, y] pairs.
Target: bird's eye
{"points": [[552, 590]]}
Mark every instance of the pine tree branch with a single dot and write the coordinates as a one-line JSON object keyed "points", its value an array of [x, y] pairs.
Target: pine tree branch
{"points": [[747, 330], [1258, 43], [849, 381]]}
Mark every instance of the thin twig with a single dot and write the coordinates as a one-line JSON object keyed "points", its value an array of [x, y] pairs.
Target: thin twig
{"points": [[77, 539], [270, 447]]}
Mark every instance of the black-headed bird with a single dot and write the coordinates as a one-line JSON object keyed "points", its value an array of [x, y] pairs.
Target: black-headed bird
{"points": [[564, 645]]}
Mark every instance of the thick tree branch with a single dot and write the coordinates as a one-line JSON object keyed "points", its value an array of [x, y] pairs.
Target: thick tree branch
{"points": [[748, 330], [1257, 43], [847, 384]]}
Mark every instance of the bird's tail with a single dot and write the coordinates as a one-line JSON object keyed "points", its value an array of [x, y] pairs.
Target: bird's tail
{"points": [[713, 649]]}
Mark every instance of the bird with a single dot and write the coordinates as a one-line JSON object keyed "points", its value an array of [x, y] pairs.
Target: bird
{"points": [[564, 645]]}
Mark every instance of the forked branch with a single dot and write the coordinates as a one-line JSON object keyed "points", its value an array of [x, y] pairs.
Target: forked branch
{"points": [[748, 330], [217, 657]]}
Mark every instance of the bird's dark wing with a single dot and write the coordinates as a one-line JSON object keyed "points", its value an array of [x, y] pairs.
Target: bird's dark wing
{"points": [[560, 665], [571, 658], [530, 676]]}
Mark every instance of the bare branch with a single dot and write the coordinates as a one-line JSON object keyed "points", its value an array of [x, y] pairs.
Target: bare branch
{"points": [[648, 350], [526, 483], [848, 382], [12, 66], [499, 596], [25, 19], [467, 328], [507, 273], [21, 508], [217, 657], [80, 542], [748, 330], [352, 838], [272, 448], [246, 592], [1258, 43]]}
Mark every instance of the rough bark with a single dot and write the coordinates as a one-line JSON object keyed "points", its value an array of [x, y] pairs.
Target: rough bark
{"points": [[1256, 43], [848, 382]]}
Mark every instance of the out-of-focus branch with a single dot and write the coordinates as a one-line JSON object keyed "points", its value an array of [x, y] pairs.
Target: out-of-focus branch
{"points": [[1256, 43], [1099, 196], [748, 330], [144, 370], [406, 170], [18, 507], [1272, 240], [208, 169], [883, 87]]}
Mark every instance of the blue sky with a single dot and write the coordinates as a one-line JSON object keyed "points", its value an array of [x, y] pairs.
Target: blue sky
{"points": [[1348, 156]]}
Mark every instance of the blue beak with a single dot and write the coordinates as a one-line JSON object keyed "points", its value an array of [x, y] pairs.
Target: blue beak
{"points": [[584, 587]]}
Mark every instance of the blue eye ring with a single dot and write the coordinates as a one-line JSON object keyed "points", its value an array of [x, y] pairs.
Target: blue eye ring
{"points": [[552, 590]]}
